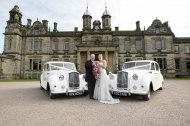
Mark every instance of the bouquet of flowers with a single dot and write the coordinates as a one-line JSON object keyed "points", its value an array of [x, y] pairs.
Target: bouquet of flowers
{"points": [[96, 72]]}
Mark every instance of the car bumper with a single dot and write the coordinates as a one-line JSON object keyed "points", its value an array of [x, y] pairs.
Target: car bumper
{"points": [[127, 92], [69, 92]]}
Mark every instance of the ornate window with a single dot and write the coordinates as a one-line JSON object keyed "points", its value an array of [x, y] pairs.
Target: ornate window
{"points": [[159, 44], [127, 45], [66, 46], [157, 30], [66, 60], [36, 45], [55, 59], [177, 64], [138, 44], [10, 42], [187, 49], [161, 62], [176, 49], [188, 63], [55, 45], [35, 64]]}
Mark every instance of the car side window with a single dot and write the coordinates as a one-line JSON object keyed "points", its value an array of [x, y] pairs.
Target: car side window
{"points": [[157, 67], [44, 67], [152, 66], [48, 69]]}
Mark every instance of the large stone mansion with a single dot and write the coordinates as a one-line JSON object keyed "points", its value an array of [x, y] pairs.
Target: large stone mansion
{"points": [[28, 47]]}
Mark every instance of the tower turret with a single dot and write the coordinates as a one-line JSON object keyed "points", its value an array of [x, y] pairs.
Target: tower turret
{"points": [[87, 20], [106, 20]]}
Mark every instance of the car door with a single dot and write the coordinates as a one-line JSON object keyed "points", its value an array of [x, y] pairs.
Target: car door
{"points": [[154, 76], [45, 75], [159, 76]]}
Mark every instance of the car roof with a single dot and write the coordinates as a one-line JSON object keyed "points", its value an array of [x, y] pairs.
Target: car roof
{"points": [[141, 61], [59, 62]]}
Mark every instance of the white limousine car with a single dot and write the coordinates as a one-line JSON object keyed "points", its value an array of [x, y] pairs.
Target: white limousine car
{"points": [[62, 78], [136, 77]]}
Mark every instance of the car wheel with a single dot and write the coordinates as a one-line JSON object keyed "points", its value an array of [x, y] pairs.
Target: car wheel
{"points": [[52, 96], [161, 88], [41, 87], [147, 96]]}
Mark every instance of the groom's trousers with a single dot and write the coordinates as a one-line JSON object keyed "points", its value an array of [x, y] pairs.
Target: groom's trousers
{"points": [[91, 86]]}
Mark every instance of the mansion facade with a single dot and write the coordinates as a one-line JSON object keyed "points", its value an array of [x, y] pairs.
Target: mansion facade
{"points": [[28, 47]]}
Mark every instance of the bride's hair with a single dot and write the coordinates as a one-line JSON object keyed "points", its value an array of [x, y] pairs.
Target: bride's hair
{"points": [[100, 55]]}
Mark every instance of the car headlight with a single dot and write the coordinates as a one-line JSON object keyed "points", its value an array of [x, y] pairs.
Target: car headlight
{"points": [[61, 77], [135, 77]]}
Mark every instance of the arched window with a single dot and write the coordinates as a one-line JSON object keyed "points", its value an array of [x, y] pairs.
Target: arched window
{"points": [[10, 42]]}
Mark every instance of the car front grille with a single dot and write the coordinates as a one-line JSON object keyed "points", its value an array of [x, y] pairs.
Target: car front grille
{"points": [[122, 79], [74, 80]]}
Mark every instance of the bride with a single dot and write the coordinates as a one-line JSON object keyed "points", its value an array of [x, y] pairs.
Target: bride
{"points": [[101, 91]]}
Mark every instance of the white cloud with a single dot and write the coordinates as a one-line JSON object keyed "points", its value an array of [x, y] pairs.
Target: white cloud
{"points": [[68, 13]]}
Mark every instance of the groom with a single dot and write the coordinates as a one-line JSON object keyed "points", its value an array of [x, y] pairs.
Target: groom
{"points": [[90, 79]]}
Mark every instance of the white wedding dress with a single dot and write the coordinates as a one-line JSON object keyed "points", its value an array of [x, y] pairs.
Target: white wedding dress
{"points": [[101, 91]]}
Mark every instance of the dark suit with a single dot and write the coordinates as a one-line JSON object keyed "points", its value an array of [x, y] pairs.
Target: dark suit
{"points": [[90, 78]]}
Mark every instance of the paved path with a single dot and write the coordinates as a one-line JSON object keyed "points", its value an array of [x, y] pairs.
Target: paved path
{"points": [[24, 104]]}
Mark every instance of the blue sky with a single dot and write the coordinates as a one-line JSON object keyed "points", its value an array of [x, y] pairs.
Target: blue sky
{"points": [[68, 13]]}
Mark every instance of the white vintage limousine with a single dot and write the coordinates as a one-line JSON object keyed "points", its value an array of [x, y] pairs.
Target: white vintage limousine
{"points": [[62, 78], [136, 77]]}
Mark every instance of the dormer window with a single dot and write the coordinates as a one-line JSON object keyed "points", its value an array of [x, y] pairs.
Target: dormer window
{"points": [[157, 30], [36, 32]]}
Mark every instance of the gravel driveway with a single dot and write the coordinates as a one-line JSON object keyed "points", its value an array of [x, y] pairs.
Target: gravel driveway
{"points": [[24, 104]]}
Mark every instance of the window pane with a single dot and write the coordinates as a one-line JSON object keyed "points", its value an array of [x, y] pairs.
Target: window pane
{"points": [[66, 46], [163, 44], [187, 49], [176, 49], [177, 64], [158, 45], [138, 45], [35, 64], [10, 43], [127, 45], [55, 45], [39, 65], [36, 45], [157, 30], [66, 60], [188, 65]]}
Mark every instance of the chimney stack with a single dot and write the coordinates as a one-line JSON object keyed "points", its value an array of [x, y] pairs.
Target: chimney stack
{"points": [[116, 28], [55, 27], [76, 29], [29, 21], [138, 26], [45, 24]]}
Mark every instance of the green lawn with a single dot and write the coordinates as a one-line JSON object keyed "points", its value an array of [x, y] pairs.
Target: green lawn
{"points": [[176, 78]]}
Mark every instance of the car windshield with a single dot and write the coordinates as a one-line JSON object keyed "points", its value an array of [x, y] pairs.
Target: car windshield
{"points": [[61, 66], [137, 65]]}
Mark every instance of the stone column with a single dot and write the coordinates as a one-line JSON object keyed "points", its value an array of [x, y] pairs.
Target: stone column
{"points": [[116, 60], [88, 55], [106, 55], [78, 60]]}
